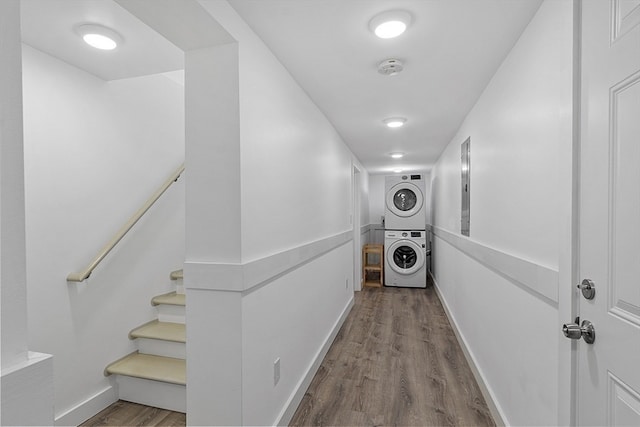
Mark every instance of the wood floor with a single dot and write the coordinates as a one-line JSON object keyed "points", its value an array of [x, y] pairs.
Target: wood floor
{"points": [[124, 413], [396, 361]]}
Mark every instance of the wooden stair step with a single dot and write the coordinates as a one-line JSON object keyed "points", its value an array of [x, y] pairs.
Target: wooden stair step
{"points": [[172, 298], [150, 367], [157, 330]]}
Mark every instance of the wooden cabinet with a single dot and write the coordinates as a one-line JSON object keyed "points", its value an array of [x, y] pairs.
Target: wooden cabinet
{"points": [[373, 265]]}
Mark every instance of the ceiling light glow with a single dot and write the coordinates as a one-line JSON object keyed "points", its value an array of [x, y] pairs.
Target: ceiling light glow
{"points": [[390, 24], [397, 155], [395, 122], [99, 41], [99, 37]]}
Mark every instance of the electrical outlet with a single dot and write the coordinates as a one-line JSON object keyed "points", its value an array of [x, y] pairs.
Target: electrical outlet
{"points": [[276, 371], [346, 284]]}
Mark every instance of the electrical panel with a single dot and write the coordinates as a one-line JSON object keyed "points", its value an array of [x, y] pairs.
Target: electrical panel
{"points": [[466, 195]]}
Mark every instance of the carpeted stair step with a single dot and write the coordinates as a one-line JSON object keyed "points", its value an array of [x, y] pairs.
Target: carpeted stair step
{"points": [[157, 330], [150, 367], [172, 298]]}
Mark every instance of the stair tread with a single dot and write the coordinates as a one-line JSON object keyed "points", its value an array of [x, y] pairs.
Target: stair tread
{"points": [[150, 367], [160, 331], [172, 298]]}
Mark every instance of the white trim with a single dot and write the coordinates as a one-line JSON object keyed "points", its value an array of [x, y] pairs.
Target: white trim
{"points": [[87, 408], [487, 393], [365, 229], [296, 397], [244, 277], [541, 280]]}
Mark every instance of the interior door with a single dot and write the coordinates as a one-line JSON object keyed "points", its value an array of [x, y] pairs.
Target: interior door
{"points": [[608, 372]]}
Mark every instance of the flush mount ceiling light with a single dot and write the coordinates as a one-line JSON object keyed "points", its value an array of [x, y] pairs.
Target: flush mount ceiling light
{"points": [[395, 122], [397, 155], [392, 23], [100, 37]]}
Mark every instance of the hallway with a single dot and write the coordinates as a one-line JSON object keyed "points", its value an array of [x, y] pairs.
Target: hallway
{"points": [[396, 361]]}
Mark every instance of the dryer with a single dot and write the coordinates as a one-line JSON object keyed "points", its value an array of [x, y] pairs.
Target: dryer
{"points": [[405, 258], [404, 202]]}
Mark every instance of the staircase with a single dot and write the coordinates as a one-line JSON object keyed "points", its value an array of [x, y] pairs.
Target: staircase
{"points": [[156, 374]]}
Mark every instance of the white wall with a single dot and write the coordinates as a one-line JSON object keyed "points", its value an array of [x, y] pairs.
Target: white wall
{"points": [[12, 240], [376, 198], [290, 319], [27, 378], [293, 285], [94, 152], [519, 127]]}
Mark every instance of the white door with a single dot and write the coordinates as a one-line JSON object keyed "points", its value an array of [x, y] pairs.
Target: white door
{"points": [[608, 371]]}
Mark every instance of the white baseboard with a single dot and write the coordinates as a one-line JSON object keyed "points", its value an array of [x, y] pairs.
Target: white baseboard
{"points": [[494, 407], [88, 408], [296, 397]]}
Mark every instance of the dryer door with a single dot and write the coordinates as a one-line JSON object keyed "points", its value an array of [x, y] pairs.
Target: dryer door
{"points": [[404, 199], [405, 256]]}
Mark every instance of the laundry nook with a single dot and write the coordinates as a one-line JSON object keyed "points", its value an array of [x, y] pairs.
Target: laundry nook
{"points": [[319, 212]]}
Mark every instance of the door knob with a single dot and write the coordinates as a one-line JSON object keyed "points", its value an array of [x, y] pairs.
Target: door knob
{"points": [[575, 332]]}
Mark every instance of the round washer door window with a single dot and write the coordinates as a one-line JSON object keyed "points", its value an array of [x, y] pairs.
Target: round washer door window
{"points": [[405, 256], [404, 199]]}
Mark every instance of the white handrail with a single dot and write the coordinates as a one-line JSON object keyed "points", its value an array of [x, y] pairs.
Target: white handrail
{"points": [[84, 274]]}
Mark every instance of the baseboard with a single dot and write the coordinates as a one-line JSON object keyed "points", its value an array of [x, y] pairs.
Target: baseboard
{"points": [[88, 408], [494, 407], [296, 397]]}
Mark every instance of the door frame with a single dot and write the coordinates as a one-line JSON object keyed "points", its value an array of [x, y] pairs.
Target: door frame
{"points": [[356, 180], [569, 253]]}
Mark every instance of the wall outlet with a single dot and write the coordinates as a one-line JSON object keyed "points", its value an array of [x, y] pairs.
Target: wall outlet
{"points": [[276, 371], [346, 284]]}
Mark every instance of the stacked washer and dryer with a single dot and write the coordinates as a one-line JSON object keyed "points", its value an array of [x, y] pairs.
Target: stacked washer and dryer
{"points": [[405, 241]]}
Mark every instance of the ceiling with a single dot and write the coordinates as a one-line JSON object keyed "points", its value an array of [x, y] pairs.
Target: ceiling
{"points": [[450, 51], [49, 26]]}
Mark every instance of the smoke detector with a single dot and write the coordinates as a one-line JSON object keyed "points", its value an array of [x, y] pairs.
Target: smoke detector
{"points": [[390, 67]]}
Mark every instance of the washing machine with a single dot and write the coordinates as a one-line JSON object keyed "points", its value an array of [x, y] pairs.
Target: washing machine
{"points": [[404, 202], [405, 258]]}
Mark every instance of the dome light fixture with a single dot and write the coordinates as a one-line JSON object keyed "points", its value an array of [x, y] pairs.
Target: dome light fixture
{"points": [[98, 36], [390, 24], [395, 122], [397, 155]]}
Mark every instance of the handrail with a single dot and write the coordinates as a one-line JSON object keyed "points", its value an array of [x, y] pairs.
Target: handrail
{"points": [[84, 274], [175, 275]]}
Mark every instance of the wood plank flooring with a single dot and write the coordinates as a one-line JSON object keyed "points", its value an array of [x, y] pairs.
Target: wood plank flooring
{"points": [[396, 361], [124, 413]]}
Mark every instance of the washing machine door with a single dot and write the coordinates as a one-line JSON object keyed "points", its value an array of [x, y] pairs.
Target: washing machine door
{"points": [[405, 256], [404, 199]]}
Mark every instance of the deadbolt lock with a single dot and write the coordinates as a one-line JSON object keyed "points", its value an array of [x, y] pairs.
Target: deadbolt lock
{"points": [[588, 288], [575, 331]]}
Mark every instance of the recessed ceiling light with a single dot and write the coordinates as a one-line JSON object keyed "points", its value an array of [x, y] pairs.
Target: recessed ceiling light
{"points": [[100, 37], [392, 23], [397, 155], [395, 122]]}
